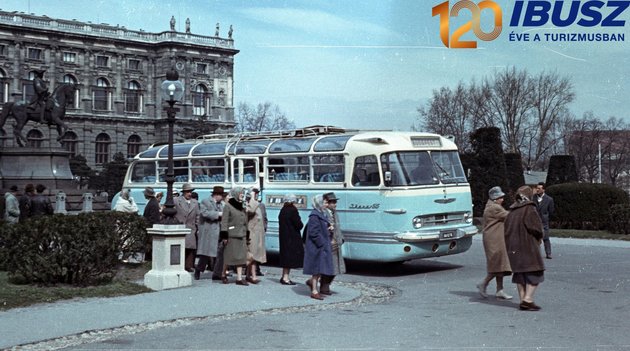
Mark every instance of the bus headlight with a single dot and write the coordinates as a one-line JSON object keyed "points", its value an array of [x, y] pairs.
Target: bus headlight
{"points": [[468, 217], [417, 222]]}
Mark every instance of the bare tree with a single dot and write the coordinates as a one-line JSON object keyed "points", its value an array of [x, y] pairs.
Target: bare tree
{"points": [[549, 97], [510, 106], [263, 117], [584, 137]]}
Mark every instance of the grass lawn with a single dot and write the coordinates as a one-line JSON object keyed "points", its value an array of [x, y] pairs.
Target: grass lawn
{"points": [[12, 295], [587, 234]]}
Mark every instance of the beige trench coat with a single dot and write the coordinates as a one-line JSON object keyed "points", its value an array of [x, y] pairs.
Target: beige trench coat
{"points": [[494, 238], [256, 226]]}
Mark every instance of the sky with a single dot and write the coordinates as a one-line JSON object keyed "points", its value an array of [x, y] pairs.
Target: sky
{"points": [[368, 64]]}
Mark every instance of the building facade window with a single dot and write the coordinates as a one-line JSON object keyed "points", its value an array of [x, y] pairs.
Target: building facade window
{"points": [[133, 146], [69, 57], [34, 138], [102, 61], [68, 78], [70, 142], [102, 95], [3, 50], [28, 91], [201, 99], [133, 97], [35, 54], [4, 87], [202, 68], [134, 64], [101, 150]]}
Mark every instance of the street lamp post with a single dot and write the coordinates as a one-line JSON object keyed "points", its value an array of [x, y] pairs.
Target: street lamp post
{"points": [[172, 92]]}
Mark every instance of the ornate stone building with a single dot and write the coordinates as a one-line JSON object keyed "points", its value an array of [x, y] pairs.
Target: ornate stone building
{"points": [[118, 73]]}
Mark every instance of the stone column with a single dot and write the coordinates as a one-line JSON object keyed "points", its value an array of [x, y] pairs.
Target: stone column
{"points": [[167, 266]]}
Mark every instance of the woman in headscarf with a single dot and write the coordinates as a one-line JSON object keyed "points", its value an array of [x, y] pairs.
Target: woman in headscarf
{"points": [[523, 236], [126, 203], [291, 245], [498, 264], [234, 235], [318, 252]]}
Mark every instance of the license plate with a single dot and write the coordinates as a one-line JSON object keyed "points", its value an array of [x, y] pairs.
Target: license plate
{"points": [[448, 235]]}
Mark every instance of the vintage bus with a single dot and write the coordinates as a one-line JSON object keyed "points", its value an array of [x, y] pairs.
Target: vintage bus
{"points": [[402, 195]]}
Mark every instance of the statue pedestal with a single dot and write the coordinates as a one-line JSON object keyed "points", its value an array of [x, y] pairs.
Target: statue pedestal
{"points": [[23, 165], [167, 268]]}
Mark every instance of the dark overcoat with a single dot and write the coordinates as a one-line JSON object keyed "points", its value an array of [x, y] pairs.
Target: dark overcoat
{"points": [[234, 228], [317, 250], [291, 245], [523, 234], [152, 212]]}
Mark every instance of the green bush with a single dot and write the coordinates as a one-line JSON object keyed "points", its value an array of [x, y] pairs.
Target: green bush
{"points": [[561, 170], [79, 250], [620, 219], [585, 205]]}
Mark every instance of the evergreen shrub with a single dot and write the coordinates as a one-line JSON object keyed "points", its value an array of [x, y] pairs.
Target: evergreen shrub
{"points": [[562, 169], [620, 219], [80, 250], [585, 205]]}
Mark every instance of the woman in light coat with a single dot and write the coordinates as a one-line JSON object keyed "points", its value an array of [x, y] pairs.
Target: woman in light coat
{"points": [[126, 203], [498, 265], [318, 251], [256, 243], [234, 235]]}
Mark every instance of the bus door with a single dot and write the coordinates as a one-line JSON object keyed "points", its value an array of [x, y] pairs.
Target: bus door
{"points": [[245, 170]]}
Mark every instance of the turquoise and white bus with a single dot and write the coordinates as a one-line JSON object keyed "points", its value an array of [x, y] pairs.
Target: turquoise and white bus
{"points": [[402, 195]]}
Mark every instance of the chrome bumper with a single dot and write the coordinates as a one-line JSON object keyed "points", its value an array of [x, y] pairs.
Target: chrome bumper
{"points": [[446, 234]]}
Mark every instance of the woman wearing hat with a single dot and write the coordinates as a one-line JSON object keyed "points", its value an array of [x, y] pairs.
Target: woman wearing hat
{"points": [[523, 236], [256, 244], [318, 251], [211, 210], [234, 235], [498, 264]]}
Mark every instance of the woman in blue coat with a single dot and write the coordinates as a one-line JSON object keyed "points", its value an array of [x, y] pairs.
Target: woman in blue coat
{"points": [[317, 251]]}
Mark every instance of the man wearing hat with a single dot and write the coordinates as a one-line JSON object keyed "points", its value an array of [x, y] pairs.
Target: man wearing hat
{"points": [[26, 202], [188, 215], [336, 240], [41, 89], [152, 210], [211, 210], [12, 206]]}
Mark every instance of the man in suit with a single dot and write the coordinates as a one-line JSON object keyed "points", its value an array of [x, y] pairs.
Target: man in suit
{"points": [[545, 206], [188, 215]]}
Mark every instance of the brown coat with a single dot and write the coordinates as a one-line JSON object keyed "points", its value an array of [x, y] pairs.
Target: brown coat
{"points": [[256, 226], [188, 215], [494, 238], [523, 234]]}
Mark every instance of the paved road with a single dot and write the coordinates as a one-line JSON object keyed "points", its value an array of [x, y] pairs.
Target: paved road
{"points": [[431, 305]]}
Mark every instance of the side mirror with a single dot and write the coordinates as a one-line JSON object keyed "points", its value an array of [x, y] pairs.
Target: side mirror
{"points": [[388, 178]]}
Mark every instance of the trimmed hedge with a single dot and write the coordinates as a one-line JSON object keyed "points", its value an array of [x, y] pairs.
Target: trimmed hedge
{"points": [[562, 169], [620, 219], [80, 250], [586, 205]]}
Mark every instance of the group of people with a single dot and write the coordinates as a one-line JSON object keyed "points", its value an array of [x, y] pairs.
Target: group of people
{"points": [[512, 239], [228, 231], [318, 251], [33, 203]]}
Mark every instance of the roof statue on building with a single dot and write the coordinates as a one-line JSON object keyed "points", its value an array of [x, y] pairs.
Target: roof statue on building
{"points": [[230, 32], [216, 33], [173, 23], [187, 25]]}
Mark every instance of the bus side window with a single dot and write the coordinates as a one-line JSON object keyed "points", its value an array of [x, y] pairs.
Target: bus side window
{"points": [[365, 172]]}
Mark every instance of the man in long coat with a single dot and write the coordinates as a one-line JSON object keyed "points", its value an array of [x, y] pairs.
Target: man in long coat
{"points": [[211, 210], [336, 240], [545, 207], [188, 215]]}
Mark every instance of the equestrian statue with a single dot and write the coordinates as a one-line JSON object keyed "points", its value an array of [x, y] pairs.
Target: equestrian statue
{"points": [[44, 108]]}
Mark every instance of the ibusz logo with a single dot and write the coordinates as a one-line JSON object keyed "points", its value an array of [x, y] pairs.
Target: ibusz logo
{"points": [[533, 14]]}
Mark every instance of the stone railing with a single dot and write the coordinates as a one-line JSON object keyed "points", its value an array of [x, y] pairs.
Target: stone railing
{"points": [[104, 30]]}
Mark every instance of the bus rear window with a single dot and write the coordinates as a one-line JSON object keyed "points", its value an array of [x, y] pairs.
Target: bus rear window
{"points": [[143, 172], [328, 168]]}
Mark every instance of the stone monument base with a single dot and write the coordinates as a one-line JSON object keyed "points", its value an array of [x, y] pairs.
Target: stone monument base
{"points": [[23, 165]]}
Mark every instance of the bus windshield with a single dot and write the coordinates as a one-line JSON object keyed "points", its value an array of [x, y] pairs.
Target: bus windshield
{"points": [[423, 167]]}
